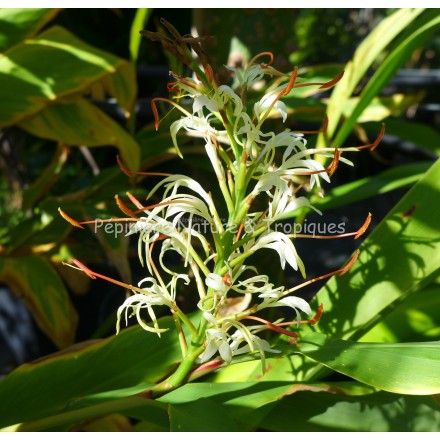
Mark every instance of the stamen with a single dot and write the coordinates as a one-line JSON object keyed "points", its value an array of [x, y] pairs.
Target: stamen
{"points": [[350, 263], [282, 93], [170, 202], [355, 234], [134, 200], [291, 82], [335, 162], [374, 145], [332, 82], [312, 321], [156, 114], [95, 275], [274, 327], [240, 230], [84, 268], [209, 73], [364, 227], [90, 222], [69, 219], [330, 169], [123, 208], [138, 173], [341, 271], [325, 85], [264, 65], [172, 89]]}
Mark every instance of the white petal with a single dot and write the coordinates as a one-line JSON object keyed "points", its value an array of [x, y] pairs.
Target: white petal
{"points": [[296, 303], [225, 352]]}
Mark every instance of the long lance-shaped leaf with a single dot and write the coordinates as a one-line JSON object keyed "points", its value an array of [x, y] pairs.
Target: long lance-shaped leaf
{"points": [[368, 51], [16, 24], [426, 26], [54, 65], [53, 385], [400, 256], [35, 280], [410, 368]]}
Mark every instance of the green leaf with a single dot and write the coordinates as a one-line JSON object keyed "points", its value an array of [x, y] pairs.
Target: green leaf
{"points": [[424, 27], [81, 123], [139, 21], [321, 411], [397, 177], [406, 368], [34, 279], [47, 178], [18, 24], [418, 318], [123, 86], [60, 381], [399, 257], [54, 65], [199, 416], [367, 52], [382, 107]]}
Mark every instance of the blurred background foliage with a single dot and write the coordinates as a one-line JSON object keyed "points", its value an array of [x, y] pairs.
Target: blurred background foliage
{"points": [[76, 87]]}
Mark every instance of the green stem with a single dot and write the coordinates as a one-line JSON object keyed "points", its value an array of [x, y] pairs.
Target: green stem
{"points": [[199, 261], [182, 340], [249, 237], [236, 261], [182, 372], [226, 195], [186, 321]]}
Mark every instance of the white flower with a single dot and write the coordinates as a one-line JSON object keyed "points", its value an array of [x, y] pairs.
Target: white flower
{"points": [[195, 125], [217, 340], [237, 347], [251, 75], [222, 96], [245, 126], [155, 295], [216, 283], [285, 248], [267, 100], [289, 301], [292, 141], [242, 341]]}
